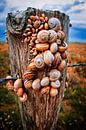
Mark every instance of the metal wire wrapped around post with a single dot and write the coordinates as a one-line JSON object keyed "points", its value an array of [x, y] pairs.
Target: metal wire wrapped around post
{"points": [[39, 112]]}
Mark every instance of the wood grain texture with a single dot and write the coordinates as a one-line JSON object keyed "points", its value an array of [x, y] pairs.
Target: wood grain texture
{"points": [[39, 112]]}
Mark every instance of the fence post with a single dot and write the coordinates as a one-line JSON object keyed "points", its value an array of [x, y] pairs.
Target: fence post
{"points": [[38, 112]]}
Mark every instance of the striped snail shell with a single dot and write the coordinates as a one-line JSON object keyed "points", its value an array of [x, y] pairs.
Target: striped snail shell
{"points": [[28, 75], [62, 65], [42, 46], [28, 84], [45, 90], [55, 84], [63, 47], [43, 36], [52, 36], [36, 84], [57, 59], [45, 81], [54, 74], [61, 35], [48, 57], [37, 23], [39, 61], [53, 47], [54, 23], [31, 66]]}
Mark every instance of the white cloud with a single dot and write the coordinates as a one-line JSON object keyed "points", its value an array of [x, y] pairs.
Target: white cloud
{"points": [[79, 24], [80, 7], [23, 4], [78, 17]]}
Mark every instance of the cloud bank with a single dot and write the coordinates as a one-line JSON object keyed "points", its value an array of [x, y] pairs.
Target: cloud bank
{"points": [[76, 9]]}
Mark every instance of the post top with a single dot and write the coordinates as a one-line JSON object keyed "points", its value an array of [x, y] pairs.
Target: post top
{"points": [[17, 21]]}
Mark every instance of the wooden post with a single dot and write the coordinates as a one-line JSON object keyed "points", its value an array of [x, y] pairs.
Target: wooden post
{"points": [[39, 112]]}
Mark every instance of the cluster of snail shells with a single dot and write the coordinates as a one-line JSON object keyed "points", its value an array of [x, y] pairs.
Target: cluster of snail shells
{"points": [[17, 87], [49, 50], [45, 39]]}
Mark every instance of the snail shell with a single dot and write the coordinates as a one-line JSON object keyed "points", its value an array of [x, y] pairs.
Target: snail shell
{"points": [[55, 84], [36, 41], [45, 81], [20, 92], [52, 36], [36, 84], [40, 28], [61, 35], [28, 84], [53, 47], [29, 21], [54, 23], [26, 40], [48, 57], [10, 82], [43, 36], [53, 92], [29, 26], [33, 30], [58, 41], [31, 66], [9, 76], [54, 74], [63, 48], [37, 24], [32, 17], [27, 29], [62, 65], [45, 90], [57, 59], [64, 55], [9, 86], [28, 75], [39, 61], [35, 53], [33, 38], [17, 84], [31, 44], [43, 15], [23, 98], [42, 47], [42, 19], [34, 35], [46, 26]]}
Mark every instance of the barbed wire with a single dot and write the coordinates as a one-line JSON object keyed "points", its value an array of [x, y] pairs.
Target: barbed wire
{"points": [[77, 64], [68, 65]]}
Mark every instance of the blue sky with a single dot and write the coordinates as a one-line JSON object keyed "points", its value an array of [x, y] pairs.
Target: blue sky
{"points": [[76, 9]]}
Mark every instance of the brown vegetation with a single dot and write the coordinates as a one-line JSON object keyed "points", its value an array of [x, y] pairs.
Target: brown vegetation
{"points": [[72, 115]]}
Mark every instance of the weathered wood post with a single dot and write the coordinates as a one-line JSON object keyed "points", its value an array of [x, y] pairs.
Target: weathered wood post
{"points": [[39, 112]]}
